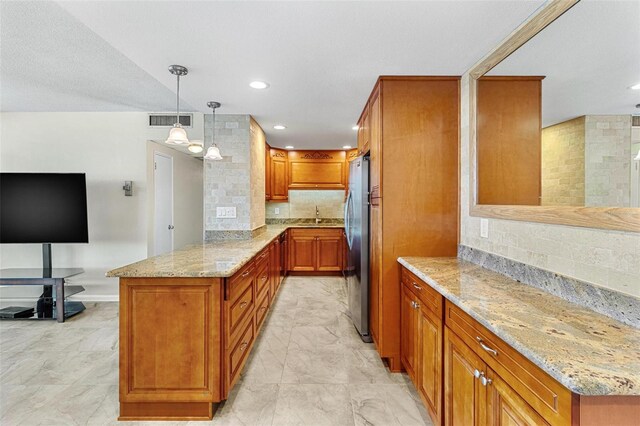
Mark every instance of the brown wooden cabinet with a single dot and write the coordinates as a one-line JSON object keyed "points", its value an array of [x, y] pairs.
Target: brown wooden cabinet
{"points": [[316, 250], [279, 175], [364, 131], [465, 395], [317, 170], [509, 168], [410, 126], [409, 333], [350, 155]]}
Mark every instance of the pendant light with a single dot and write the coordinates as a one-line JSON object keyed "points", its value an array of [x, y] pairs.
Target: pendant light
{"points": [[177, 135], [213, 153]]}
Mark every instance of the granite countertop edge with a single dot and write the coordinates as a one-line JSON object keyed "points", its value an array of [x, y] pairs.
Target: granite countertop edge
{"points": [[585, 386], [131, 270]]}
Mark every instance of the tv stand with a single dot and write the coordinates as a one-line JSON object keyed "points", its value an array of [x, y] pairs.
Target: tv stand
{"points": [[52, 280]]}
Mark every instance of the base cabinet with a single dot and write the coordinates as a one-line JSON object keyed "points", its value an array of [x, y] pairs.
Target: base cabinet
{"points": [[316, 250]]}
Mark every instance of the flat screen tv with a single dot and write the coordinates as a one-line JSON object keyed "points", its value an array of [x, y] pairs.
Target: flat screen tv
{"points": [[43, 208]]}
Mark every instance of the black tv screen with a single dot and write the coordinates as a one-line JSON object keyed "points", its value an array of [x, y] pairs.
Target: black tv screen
{"points": [[43, 208]]}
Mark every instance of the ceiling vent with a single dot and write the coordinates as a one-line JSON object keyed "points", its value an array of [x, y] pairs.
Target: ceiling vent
{"points": [[635, 120], [168, 120]]}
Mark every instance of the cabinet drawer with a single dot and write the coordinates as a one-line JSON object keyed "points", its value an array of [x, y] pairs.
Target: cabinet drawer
{"points": [[237, 284], [262, 309], [262, 278], [316, 232], [240, 309], [238, 353], [541, 391], [262, 256], [427, 294]]}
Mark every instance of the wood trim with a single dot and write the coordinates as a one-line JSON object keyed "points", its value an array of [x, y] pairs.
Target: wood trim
{"points": [[548, 13], [612, 218]]}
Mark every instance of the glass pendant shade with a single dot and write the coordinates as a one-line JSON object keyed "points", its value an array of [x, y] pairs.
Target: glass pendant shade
{"points": [[177, 135], [195, 147], [213, 153]]}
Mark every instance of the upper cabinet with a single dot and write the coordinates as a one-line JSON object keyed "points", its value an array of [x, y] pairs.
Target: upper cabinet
{"points": [[279, 168], [364, 131], [509, 136], [317, 170]]}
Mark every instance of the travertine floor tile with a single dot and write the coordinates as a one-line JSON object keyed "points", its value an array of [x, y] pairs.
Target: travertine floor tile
{"points": [[308, 367]]}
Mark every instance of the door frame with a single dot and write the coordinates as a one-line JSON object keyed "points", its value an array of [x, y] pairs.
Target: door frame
{"points": [[155, 215]]}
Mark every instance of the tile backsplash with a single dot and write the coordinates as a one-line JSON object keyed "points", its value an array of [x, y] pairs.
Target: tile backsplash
{"points": [[302, 204]]}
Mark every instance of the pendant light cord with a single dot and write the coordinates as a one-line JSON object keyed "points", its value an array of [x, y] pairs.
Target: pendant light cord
{"points": [[178, 101]]}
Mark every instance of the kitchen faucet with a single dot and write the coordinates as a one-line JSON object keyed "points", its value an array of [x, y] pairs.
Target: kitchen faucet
{"points": [[317, 215]]}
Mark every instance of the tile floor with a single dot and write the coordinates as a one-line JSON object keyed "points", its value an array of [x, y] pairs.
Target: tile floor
{"points": [[308, 367]]}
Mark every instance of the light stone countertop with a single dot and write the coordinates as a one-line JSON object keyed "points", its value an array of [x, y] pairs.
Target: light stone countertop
{"points": [[589, 353], [220, 258]]}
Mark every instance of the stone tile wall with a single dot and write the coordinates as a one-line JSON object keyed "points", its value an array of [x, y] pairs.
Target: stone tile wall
{"points": [[563, 163], [302, 204], [608, 161], [238, 179], [606, 258]]}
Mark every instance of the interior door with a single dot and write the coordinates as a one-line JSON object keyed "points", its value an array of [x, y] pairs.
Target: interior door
{"points": [[163, 203]]}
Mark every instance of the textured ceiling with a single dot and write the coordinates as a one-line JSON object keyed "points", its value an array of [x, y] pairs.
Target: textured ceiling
{"points": [[321, 58], [590, 56]]}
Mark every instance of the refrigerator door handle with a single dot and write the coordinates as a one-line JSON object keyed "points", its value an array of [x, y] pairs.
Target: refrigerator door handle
{"points": [[347, 222]]}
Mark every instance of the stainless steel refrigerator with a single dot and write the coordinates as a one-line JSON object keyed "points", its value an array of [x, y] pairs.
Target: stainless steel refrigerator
{"points": [[356, 223]]}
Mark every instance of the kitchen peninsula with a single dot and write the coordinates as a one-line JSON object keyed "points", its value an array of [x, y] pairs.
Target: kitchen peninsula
{"points": [[189, 318]]}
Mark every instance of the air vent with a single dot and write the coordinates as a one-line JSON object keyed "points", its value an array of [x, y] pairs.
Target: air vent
{"points": [[168, 120], [635, 120]]}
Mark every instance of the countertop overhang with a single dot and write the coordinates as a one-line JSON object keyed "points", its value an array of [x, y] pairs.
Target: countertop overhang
{"points": [[589, 353], [211, 259]]}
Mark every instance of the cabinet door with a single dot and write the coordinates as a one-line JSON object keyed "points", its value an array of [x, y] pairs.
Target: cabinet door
{"points": [[465, 396], [303, 253], [375, 249], [317, 169], [429, 371], [279, 175], [329, 253], [267, 173], [365, 129], [375, 127], [409, 332], [506, 407]]}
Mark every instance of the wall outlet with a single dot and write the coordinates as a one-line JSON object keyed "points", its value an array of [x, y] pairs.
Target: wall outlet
{"points": [[276, 210], [484, 228], [226, 212]]}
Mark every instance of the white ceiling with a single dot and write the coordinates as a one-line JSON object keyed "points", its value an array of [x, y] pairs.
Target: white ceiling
{"points": [[590, 57], [321, 58]]}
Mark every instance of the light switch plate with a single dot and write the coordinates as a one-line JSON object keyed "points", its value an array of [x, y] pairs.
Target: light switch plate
{"points": [[276, 210], [230, 212], [484, 228], [220, 212]]}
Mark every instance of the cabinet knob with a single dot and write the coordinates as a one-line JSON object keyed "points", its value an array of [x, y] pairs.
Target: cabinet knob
{"points": [[485, 381], [243, 305]]}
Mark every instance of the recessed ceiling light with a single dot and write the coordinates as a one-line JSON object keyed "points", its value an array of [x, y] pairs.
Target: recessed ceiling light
{"points": [[346, 147], [279, 127], [289, 147], [635, 87], [355, 127], [259, 84]]}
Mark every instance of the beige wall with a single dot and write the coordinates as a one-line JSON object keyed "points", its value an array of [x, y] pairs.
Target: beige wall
{"points": [[606, 258], [302, 205], [563, 163]]}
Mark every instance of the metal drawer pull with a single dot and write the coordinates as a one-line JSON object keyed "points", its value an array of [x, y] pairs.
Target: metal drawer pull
{"points": [[246, 273], [243, 305], [243, 346], [417, 287], [485, 347]]}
